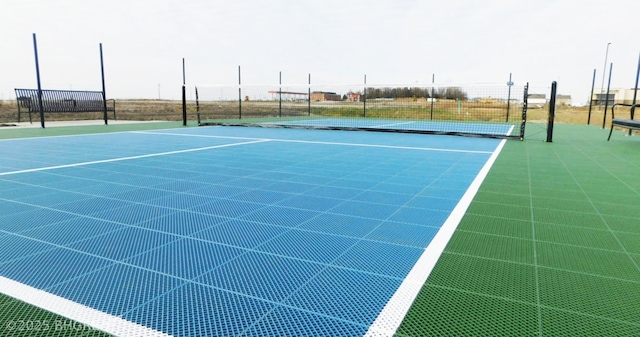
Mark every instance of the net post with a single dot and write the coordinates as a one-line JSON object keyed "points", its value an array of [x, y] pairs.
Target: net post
{"points": [[593, 83], [40, 103], [552, 111], [525, 103]]}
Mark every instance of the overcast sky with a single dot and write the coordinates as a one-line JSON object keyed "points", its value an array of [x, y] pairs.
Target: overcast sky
{"points": [[336, 41]]}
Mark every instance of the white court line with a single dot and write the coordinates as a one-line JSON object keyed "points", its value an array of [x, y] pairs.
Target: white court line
{"points": [[132, 157], [394, 124], [396, 309], [72, 311], [321, 142]]}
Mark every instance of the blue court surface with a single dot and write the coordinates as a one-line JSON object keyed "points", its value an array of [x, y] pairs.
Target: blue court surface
{"points": [[230, 231]]}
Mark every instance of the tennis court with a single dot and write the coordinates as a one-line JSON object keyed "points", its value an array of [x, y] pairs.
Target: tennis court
{"points": [[232, 230]]}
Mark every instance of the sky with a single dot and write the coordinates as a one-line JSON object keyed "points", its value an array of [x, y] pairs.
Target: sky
{"points": [[400, 42]]}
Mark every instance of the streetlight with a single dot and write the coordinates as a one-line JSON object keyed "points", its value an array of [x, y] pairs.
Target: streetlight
{"points": [[604, 70]]}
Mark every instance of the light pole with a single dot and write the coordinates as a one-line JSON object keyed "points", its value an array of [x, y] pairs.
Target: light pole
{"points": [[604, 70]]}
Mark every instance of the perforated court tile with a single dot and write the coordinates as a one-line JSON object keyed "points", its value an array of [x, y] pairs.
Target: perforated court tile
{"points": [[35, 269], [186, 258], [241, 233], [123, 244], [116, 288], [182, 222], [69, 231], [24, 218], [403, 234], [15, 247], [348, 295], [341, 225], [290, 322], [306, 245], [390, 260], [263, 276]]}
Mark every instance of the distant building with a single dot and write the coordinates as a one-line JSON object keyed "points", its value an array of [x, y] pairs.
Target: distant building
{"points": [[353, 97], [319, 96], [537, 100], [563, 100], [621, 96]]}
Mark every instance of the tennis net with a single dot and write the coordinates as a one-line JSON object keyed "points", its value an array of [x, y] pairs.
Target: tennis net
{"points": [[497, 111]]}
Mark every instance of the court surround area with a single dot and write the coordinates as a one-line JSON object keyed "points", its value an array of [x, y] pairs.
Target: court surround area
{"points": [[236, 231]]}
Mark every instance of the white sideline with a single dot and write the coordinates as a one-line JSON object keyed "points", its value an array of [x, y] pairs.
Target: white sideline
{"points": [[71, 311], [132, 157], [396, 309]]}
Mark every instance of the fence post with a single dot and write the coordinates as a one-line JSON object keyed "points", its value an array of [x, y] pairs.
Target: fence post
{"points": [[184, 96], [40, 106], [606, 103], [552, 111], [104, 90], [364, 101], [593, 83], [239, 94], [309, 97]]}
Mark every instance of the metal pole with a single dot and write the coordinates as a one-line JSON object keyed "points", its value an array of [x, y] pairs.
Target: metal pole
{"points": [[606, 103], [593, 83], [364, 102], [604, 71], [104, 90], [552, 111], [280, 94], [239, 95], [635, 91], [510, 83], [40, 105], [184, 95], [433, 81], [309, 97]]}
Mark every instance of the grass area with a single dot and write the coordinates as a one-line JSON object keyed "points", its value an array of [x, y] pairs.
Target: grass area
{"points": [[170, 110]]}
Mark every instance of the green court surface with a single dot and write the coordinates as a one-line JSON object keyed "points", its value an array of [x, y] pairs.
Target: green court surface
{"points": [[550, 246]]}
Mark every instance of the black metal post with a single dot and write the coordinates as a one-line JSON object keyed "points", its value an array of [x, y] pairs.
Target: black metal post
{"points": [[364, 101], [525, 103], [198, 108], [184, 95], [104, 90], [509, 84], [552, 111], [606, 103], [40, 105], [593, 83], [239, 94], [309, 97], [280, 95]]}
